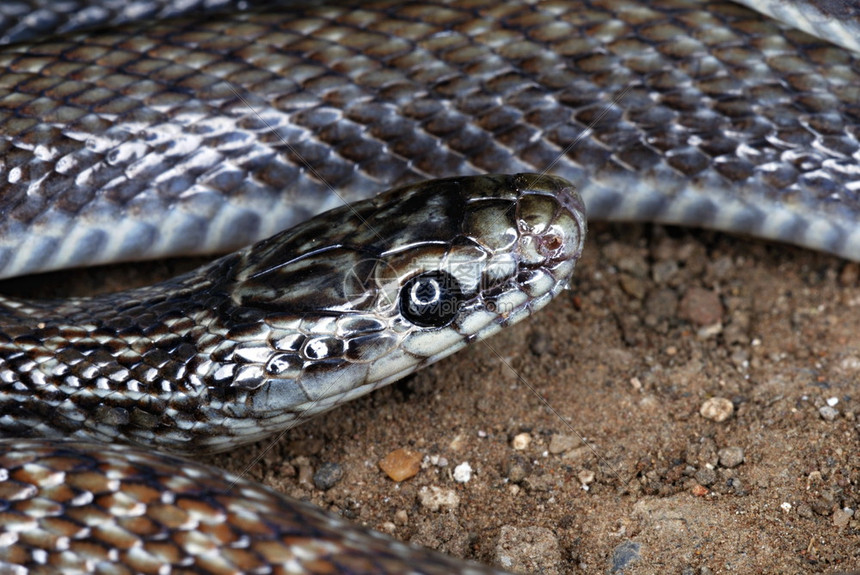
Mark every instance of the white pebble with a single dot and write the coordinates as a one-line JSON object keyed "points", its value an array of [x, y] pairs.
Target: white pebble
{"points": [[717, 409], [463, 473], [586, 477], [828, 413], [435, 498], [521, 441]]}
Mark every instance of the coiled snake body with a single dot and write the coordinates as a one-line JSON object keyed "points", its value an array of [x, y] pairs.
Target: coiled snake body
{"points": [[192, 134]]}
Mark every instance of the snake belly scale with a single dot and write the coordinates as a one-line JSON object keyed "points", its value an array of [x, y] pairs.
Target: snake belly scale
{"points": [[194, 134]]}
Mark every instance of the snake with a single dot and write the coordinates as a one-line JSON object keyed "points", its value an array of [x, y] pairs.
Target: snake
{"points": [[165, 128]]}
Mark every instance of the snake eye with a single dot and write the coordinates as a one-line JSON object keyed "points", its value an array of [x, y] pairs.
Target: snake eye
{"points": [[431, 299]]}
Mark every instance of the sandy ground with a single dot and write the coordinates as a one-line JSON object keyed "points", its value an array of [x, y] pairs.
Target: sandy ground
{"points": [[658, 322]]}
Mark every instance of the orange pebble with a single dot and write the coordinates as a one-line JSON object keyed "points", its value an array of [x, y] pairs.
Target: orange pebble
{"points": [[401, 464]]}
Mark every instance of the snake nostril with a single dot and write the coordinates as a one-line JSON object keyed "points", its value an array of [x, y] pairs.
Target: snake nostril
{"points": [[551, 242]]}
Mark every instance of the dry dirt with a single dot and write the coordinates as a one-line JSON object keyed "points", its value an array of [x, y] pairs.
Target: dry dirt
{"points": [[658, 321]]}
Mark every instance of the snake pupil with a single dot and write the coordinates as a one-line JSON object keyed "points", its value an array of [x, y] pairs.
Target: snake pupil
{"points": [[431, 299]]}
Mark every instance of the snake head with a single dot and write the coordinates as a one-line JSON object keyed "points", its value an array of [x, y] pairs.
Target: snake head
{"points": [[264, 338], [370, 292]]}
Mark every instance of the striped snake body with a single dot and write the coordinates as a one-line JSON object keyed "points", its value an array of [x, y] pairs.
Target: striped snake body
{"points": [[197, 134]]}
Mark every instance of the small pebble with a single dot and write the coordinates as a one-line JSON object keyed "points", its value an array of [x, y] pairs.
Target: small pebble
{"points": [[560, 443], [701, 307], [438, 460], [734, 485], [435, 498], [328, 475], [731, 456], [579, 454], [518, 468], [287, 470], [662, 303], [388, 527], [306, 472], [586, 477], [804, 511], [825, 504], [463, 473], [401, 517], [623, 555], [401, 464], [663, 271], [717, 409], [633, 286], [521, 441], [841, 517], [540, 482], [634, 264], [850, 363], [709, 331], [706, 476], [700, 490], [828, 413]]}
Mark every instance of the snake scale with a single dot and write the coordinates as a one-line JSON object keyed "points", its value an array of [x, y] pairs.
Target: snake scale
{"points": [[185, 133]]}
